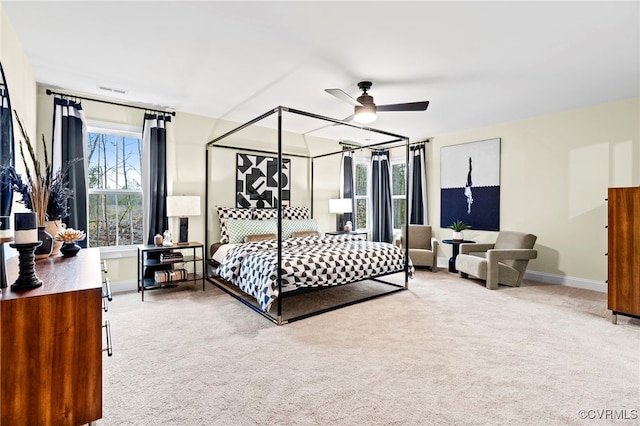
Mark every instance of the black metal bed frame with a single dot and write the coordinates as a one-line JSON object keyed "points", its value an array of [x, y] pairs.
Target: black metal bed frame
{"points": [[236, 293], [396, 141]]}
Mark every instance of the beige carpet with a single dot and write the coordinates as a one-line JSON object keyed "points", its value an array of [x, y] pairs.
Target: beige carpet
{"points": [[445, 352]]}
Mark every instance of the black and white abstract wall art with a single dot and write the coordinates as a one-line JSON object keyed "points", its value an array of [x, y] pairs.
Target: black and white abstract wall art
{"points": [[470, 184], [257, 181]]}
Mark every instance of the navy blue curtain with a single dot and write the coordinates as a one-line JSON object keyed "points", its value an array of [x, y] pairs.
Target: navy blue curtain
{"points": [[381, 204], [347, 185], [417, 186], [7, 149], [154, 147], [69, 151]]}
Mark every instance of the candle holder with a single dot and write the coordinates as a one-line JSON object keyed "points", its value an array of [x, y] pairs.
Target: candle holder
{"points": [[5, 237], [3, 267], [27, 278]]}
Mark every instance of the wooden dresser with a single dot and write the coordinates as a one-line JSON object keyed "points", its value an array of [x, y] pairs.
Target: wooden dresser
{"points": [[624, 251], [51, 344]]}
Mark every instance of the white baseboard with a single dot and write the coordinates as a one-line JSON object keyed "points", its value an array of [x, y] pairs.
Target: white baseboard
{"points": [[566, 280], [547, 278], [543, 277], [123, 286]]}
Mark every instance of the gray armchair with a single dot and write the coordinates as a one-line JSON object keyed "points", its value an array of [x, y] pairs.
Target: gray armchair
{"points": [[503, 262], [423, 248]]}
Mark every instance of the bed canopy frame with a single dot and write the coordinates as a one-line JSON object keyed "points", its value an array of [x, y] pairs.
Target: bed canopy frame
{"points": [[383, 140]]}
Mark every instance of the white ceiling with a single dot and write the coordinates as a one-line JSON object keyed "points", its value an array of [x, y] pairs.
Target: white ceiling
{"points": [[478, 63]]}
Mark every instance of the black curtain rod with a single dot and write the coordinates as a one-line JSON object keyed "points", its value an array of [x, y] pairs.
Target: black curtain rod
{"points": [[50, 92], [353, 147]]}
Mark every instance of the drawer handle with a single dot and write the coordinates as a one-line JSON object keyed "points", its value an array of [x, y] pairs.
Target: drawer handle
{"points": [[107, 328], [104, 266], [105, 304], [106, 291]]}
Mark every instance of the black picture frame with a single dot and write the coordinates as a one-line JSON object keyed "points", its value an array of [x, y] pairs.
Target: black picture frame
{"points": [[257, 181], [470, 184]]}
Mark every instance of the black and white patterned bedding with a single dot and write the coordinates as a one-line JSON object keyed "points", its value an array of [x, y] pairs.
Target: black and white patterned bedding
{"points": [[307, 262]]}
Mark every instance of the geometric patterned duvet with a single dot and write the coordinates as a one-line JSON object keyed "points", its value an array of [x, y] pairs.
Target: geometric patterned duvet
{"points": [[307, 262]]}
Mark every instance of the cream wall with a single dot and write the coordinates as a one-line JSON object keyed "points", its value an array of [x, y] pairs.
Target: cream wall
{"points": [[20, 80], [187, 136], [555, 171], [22, 92], [222, 163]]}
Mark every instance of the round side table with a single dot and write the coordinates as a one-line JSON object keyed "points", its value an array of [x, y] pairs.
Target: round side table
{"points": [[456, 250]]}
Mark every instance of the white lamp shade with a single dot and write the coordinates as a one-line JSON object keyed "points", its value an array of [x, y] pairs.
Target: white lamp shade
{"points": [[183, 205], [340, 205]]}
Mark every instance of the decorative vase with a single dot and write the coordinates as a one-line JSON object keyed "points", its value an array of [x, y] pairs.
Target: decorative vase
{"points": [[457, 236], [47, 243], [53, 226], [69, 249]]}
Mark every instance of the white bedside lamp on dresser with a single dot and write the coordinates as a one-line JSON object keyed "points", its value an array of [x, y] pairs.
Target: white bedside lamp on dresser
{"points": [[183, 206], [340, 206]]}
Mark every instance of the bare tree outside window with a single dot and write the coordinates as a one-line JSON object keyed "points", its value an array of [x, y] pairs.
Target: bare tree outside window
{"points": [[361, 195], [398, 193], [115, 189]]}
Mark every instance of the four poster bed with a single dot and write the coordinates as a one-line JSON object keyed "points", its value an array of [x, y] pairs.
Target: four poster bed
{"points": [[269, 252]]}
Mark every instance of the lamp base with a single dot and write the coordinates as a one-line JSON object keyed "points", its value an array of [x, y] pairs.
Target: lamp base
{"points": [[184, 231]]}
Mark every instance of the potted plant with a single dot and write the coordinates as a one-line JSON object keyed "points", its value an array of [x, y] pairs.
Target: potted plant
{"points": [[69, 237], [58, 205], [458, 226]]}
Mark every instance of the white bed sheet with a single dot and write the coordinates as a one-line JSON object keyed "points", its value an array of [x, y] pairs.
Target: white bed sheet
{"points": [[221, 253]]}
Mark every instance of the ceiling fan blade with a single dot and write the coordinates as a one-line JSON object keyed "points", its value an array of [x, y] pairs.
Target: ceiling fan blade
{"points": [[342, 95], [409, 106]]}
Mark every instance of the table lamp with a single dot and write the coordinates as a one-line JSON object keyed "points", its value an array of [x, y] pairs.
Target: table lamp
{"points": [[340, 206], [183, 206]]}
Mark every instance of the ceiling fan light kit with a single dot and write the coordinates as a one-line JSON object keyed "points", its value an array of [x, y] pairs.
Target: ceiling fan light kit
{"points": [[365, 109], [365, 114]]}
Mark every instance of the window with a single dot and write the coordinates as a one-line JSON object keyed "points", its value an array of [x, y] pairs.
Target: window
{"points": [[115, 186], [361, 193], [398, 192]]}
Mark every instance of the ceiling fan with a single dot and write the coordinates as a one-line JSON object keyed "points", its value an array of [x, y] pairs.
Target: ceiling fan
{"points": [[364, 107]]}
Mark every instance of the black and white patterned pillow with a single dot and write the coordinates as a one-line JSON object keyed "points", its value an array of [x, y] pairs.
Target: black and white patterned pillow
{"points": [[299, 212], [225, 213], [261, 214]]}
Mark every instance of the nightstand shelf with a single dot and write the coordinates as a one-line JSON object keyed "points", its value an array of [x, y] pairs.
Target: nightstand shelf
{"points": [[151, 283], [185, 259], [149, 262], [347, 233]]}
